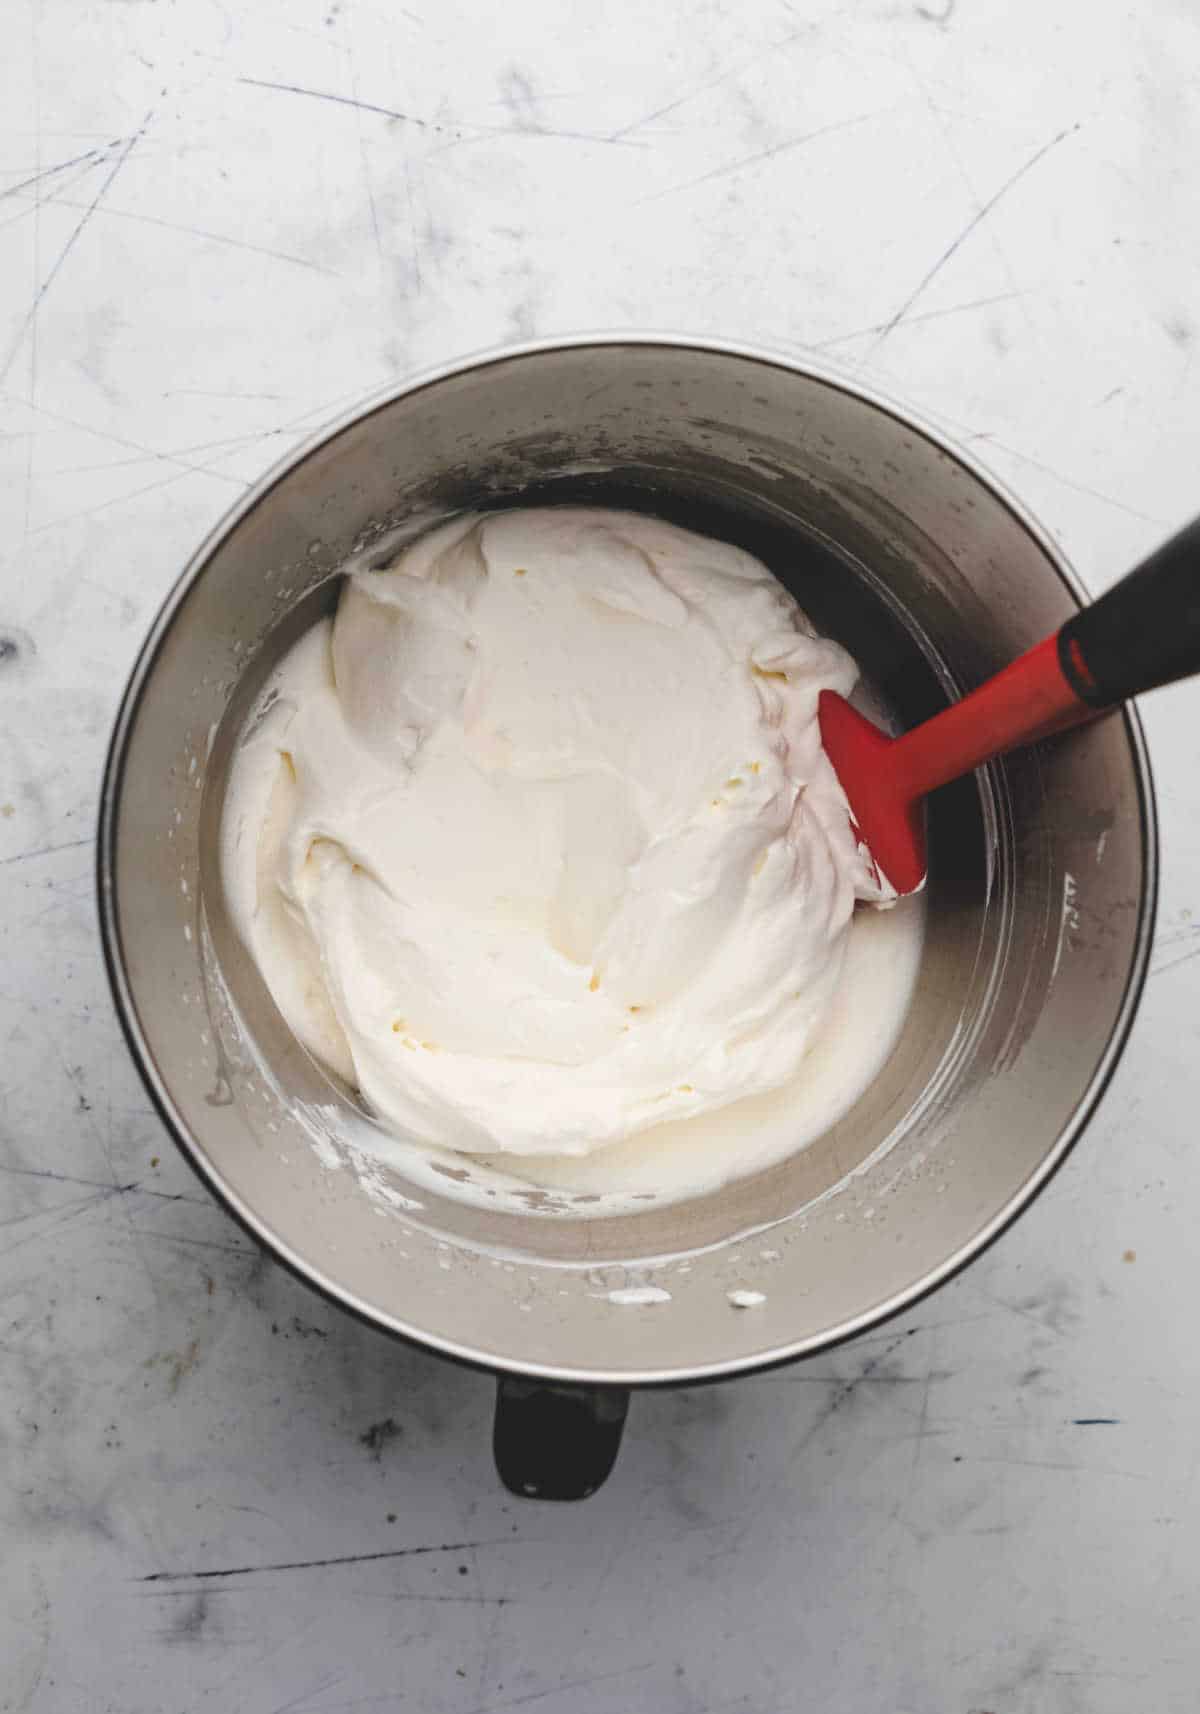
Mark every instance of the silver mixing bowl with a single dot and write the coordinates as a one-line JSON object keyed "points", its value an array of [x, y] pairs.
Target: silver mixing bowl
{"points": [[1041, 890]]}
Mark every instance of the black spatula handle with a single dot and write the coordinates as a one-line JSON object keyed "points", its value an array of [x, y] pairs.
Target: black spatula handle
{"points": [[1144, 632]]}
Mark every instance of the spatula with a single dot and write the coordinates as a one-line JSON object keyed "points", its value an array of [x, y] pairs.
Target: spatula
{"points": [[1143, 632]]}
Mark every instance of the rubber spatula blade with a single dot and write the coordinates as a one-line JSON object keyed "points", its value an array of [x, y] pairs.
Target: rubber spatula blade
{"points": [[1144, 632]]}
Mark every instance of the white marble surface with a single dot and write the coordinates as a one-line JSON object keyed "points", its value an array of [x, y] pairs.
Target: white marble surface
{"points": [[217, 222]]}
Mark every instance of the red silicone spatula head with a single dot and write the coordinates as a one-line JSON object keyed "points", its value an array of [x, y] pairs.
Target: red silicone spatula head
{"points": [[886, 816], [1144, 632]]}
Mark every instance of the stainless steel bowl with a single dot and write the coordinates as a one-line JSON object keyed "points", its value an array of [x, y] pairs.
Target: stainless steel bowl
{"points": [[1041, 889]]}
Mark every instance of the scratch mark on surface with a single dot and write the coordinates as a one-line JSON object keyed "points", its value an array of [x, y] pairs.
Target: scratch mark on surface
{"points": [[136, 494], [553, 134], [67, 1215], [207, 236], [1071, 1469], [30, 454], [1097, 1673], [344, 101], [364, 158], [99, 1184], [294, 427], [846, 1389], [179, 455], [1189, 931], [1019, 1309], [915, 320], [399, 1596], [923, 1432], [661, 112], [950, 143], [557, 1689], [1069, 482], [952, 248], [413, 226], [70, 1209], [1174, 963], [23, 214], [328, 1681], [80, 228], [199, 1243], [46, 851], [699, 89], [841, 1381], [762, 155], [102, 1138], [120, 440], [49, 172], [322, 1564], [219, 393]]}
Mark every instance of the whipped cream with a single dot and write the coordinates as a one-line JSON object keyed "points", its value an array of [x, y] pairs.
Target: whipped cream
{"points": [[535, 842]]}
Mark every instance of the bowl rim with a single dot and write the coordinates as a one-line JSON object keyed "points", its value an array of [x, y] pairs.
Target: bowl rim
{"points": [[112, 781]]}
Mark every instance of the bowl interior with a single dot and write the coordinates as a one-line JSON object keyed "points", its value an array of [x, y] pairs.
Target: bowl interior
{"points": [[1039, 889]]}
